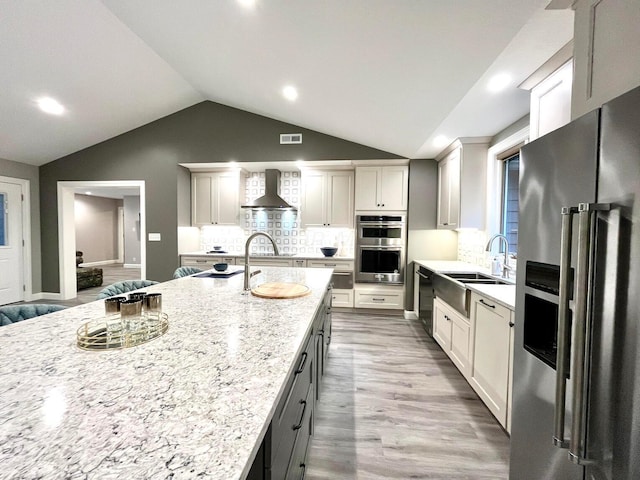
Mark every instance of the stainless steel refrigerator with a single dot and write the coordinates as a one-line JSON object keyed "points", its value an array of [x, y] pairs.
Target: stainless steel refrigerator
{"points": [[576, 383]]}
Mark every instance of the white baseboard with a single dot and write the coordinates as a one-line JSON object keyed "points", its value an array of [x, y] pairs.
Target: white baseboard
{"points": [[132, 265], [410, 315], [46, 296], [97, 264]]}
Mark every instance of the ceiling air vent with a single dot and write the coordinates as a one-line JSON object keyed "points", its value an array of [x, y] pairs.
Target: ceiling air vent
{"points": [[288, 138]]}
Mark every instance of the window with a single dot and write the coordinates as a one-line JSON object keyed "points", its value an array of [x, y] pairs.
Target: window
{"points": [[510, 190]]}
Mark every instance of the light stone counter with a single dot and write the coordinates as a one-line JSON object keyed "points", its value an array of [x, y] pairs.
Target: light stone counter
{"points": [[451, 266], [299, 256], [503, 294], [194, 403]]}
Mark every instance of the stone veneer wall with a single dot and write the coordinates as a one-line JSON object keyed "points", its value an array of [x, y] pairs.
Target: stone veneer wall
{"points": [[283, 226]]}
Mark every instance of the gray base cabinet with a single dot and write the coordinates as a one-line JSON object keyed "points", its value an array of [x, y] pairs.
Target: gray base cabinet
{"points": [[283, 451]]}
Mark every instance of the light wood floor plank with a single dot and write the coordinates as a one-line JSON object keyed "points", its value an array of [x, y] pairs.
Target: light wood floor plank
{"points": [[393, 406]]}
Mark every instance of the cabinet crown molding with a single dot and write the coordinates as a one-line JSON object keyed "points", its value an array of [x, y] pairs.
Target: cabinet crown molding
{"points": [[461, 142]]}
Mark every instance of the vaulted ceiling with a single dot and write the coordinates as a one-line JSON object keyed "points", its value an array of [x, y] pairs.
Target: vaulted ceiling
{"points": [[390, 74]]}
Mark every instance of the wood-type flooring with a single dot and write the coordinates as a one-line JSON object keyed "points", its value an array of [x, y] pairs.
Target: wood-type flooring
{"points": [[393, 406]]}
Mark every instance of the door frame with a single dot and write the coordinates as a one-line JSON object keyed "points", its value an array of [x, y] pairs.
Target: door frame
{"points": [[25, 187], [67, 230]]}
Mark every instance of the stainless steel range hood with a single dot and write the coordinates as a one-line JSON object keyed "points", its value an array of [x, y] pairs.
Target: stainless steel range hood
{"points": [[271, 200]]}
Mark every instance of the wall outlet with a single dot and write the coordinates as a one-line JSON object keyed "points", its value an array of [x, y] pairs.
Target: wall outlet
{"points": [[154, 237]]}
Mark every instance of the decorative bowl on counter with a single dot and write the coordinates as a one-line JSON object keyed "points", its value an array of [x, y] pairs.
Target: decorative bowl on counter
{"points": [[220, 267], [328, 251]]}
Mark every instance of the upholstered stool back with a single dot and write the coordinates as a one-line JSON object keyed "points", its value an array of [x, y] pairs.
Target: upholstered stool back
{"points": [[185, 271], [123, 287], [16, 313]]}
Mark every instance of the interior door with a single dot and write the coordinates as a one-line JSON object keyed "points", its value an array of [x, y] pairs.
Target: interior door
{"points": [[11, 261]]}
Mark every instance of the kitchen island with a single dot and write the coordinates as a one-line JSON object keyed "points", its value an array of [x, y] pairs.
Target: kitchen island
{"points": [[193, 403]]}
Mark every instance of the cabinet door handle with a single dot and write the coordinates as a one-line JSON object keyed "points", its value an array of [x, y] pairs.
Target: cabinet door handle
{"points": [[304, 470], [487, 304], [298, 425], [511, 324], [302, 362], [377, 299]]}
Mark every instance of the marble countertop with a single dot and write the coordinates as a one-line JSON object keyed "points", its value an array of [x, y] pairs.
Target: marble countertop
{"points": [[450, 266], [194, 403], [503, 294], [305, 256]]}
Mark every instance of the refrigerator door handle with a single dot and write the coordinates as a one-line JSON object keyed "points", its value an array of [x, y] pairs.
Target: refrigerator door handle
{"points": [[582, 341], [564, 332]]}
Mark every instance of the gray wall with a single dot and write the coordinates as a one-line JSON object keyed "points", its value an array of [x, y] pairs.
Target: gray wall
{"points": [[12, 169], [423, 196], [96, 222], [510, 130], [206, 132], [131, 230]]}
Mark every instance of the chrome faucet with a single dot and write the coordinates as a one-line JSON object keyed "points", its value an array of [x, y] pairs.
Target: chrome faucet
{"points": [[247, 274], [505, 267]]}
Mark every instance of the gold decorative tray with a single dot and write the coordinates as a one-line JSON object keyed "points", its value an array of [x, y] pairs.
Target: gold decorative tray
{"points": [[112, 332]]}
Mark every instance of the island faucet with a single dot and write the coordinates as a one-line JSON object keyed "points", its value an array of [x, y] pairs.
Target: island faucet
{"points": [[505, 267], [247, 274]]}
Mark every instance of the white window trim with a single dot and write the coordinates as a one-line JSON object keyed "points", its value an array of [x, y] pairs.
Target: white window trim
{"points": [[495, 172]]}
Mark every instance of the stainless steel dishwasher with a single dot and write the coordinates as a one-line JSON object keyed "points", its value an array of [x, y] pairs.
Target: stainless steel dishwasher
{"points": [[425, 301]]}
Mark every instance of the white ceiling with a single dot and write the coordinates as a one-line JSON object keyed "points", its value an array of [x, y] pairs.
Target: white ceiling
{"points": [[390, 74]]}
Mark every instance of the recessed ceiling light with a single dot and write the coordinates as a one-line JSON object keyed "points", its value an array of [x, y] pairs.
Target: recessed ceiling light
{"points": [[49, 105], [290, 93], [499, 82], [87, 193], [440, 141], [247, 3]]}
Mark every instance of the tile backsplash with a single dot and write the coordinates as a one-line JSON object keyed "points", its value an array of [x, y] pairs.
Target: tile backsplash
{"points": [[472, 245], [284, 226]]}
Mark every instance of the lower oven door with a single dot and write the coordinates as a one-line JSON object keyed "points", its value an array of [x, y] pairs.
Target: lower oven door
{"points": [[380, 265]]}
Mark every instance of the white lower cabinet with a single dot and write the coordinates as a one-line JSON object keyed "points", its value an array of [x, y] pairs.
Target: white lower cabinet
{"points": [[204, 262], [492, 355], [373, 296], [452, 332], [342, 298], [271, 262], [481, 347]]}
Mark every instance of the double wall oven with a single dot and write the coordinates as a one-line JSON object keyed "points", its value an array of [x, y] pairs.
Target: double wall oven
{"points": [[380, 248]]}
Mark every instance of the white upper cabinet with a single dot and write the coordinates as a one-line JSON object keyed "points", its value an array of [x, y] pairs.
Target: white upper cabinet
{"points": [[551, 102], [605, 45], [382, 188], [462, 184], [215, 198], [449, 190], [327, 198]]}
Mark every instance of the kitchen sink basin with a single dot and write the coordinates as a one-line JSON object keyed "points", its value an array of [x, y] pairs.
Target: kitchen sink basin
{"points": [[464, 276], [452, 287], [476, 278]]}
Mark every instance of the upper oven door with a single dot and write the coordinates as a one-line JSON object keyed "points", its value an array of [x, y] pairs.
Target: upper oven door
{"points": [[381, 235], [380, 230]]}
